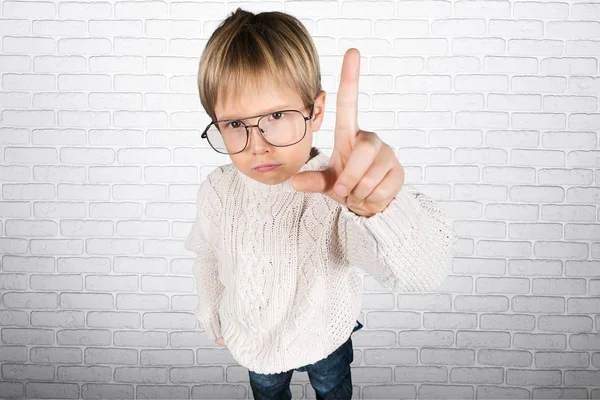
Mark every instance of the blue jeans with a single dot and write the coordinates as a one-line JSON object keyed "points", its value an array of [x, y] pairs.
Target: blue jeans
{"points": [[330, 377]]}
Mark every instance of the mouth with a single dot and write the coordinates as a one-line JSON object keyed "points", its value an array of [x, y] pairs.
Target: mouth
{"points": [[266, 167]]}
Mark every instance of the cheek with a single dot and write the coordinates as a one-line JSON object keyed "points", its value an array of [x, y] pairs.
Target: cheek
{"points": [[240, 162]]}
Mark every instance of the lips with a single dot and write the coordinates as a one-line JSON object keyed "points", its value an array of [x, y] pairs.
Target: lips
{"points": [[265, 167]]}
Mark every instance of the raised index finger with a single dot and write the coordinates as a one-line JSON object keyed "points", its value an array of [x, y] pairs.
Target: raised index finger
{"points": [[346, 113]]}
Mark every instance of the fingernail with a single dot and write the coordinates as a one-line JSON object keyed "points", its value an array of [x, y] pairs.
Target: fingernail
{"points": [[340, 190]]}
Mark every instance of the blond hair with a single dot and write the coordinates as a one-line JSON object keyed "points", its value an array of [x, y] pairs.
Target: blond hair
{"points": [[247, 46]]}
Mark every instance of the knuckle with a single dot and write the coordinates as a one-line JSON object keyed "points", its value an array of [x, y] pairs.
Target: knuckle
{"points": [[348, 180], [372, 144], [367, 183], [355, 200], [376, 196]]}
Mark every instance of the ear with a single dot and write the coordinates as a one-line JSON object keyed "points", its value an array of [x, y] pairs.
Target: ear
{"points": [[318, 111]]}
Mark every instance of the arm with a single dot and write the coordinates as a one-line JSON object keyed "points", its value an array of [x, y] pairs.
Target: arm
{"points": [[408, 246], [205, 268]]}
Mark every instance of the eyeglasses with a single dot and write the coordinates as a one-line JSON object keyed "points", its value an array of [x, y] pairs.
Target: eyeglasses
{"points": [[281, 128]]}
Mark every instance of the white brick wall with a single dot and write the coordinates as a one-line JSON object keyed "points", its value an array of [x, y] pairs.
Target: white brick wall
{"points": [[491, 105]]}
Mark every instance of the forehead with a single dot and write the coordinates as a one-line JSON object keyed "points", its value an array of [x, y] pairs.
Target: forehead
{"points": [[256, 97]]}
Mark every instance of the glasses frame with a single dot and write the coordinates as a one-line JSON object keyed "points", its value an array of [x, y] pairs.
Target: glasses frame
{"points": [[247, 126]]}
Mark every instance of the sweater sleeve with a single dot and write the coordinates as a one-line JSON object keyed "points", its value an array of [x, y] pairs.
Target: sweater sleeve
{"points": [[205, 268], [406, 247]]}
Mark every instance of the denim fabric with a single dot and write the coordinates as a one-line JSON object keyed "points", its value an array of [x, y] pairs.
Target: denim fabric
{"points": [[330, 377]]}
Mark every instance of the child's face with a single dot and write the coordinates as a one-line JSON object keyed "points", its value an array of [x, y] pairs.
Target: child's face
{"points": [[265, 99]]}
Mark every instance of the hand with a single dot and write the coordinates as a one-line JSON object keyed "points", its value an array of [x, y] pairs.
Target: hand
{"points": [[366, 168], [220, 341]]}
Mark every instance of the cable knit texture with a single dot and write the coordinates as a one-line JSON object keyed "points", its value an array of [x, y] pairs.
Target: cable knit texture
{"points": [[274, 272]]}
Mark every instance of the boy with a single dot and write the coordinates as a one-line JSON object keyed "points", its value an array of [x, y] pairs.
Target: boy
{"points": [[275, 239]]}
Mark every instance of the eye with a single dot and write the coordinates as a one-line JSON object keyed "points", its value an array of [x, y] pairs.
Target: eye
{"points": [[277, 113], [234, 126]]}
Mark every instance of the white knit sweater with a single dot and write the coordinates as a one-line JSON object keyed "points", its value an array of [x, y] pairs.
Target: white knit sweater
{"points": [[274, 265]]}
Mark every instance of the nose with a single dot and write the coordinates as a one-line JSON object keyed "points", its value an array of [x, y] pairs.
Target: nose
{"points": [[256, 143]]}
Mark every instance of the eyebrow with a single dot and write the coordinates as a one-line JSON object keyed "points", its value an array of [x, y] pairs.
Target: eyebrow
{"points": [[270, 110]]}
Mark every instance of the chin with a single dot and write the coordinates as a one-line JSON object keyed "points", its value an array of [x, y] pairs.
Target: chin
{"points": [[273, 179]]}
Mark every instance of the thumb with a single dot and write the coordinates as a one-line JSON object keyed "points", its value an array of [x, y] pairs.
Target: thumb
{"points": [[311, 181]]}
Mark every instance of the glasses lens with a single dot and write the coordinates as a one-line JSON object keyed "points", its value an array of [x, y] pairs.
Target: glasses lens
{"points": [[283, 128], [227, 137], [280, 128]]}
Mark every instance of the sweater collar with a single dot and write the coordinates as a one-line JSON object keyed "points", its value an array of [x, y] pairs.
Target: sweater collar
{"points": [[318, 161]]}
